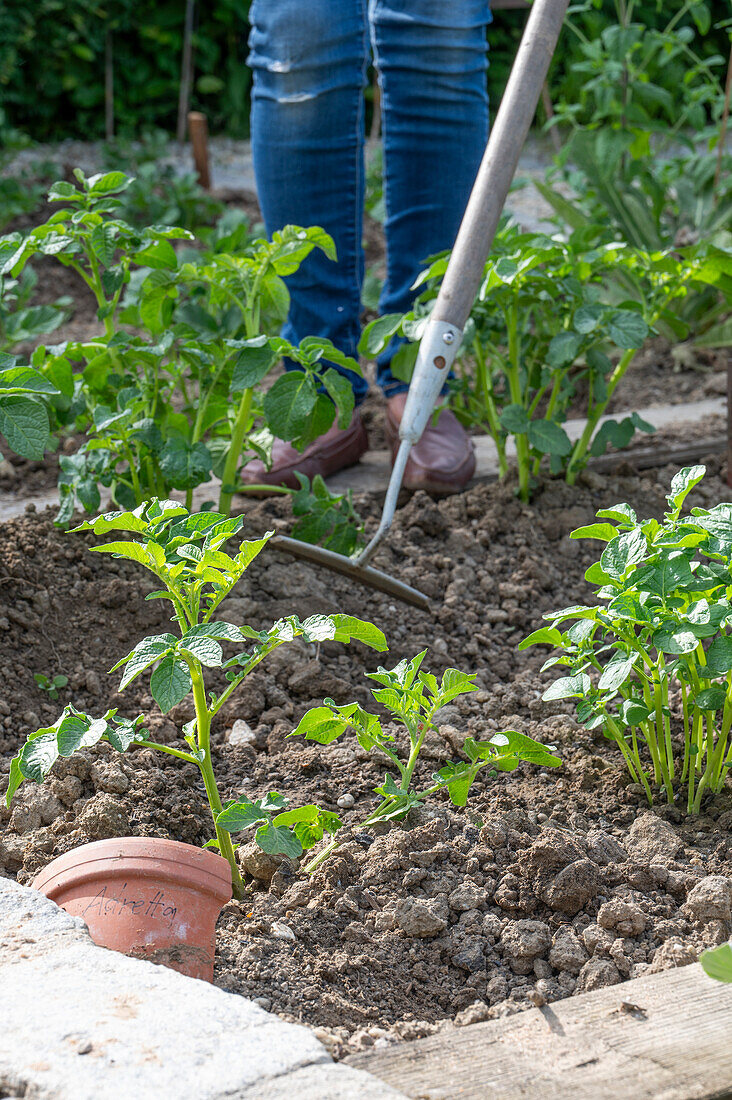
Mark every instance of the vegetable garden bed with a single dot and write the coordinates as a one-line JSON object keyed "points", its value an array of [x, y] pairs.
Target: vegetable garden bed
{"points": [[550, 882]]}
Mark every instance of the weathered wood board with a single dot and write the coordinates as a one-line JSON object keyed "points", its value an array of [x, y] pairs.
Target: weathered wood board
{"points": [[662, 1037]]}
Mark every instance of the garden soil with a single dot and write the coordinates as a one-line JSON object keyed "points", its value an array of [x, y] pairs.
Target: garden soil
{"points": [[550, 882]]}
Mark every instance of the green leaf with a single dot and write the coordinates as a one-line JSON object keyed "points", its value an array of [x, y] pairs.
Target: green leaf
{"points": [[252, 364], [716, 336], [621, 513], [613, 434], [633, 712], [132, 551], [249, 550], [711, 698], [563, 349], [288, 404], [123, 733], [623, 552], [455, 683], [103, 243], [307, 814], [24, 380], [185, 465], [568, 687], [61, 191], [515, 420], [702, 17], [14, 780], [674, 638], [276, 840], [143, 655], [587, 318], [309, 833], [227, 632], [170, 682], [519, 744], [377, 335], [348, 628], [158, 254], [204, 649], [321, 724], [24, 423], [549, 438], [545, 635], [135, 521], [615, 674], [719, 656], [603, 532], [340, 391], [682, 484], [717, 963], [458, 779], [627, 329], [108, 183], [240, 815]]}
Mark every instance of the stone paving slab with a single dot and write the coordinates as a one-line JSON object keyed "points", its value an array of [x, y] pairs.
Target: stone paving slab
{"points": [[373, 471], [80, 1022], [371, 474]]}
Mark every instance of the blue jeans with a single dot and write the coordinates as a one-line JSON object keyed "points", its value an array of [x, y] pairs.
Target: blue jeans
{"points": [[309, 61]]}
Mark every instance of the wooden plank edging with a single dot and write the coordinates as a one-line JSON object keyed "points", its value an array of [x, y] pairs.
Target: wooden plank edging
{"points": [[660, 1037]]}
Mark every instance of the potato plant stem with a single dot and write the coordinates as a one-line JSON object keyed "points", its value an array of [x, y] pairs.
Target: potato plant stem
{"points": [[387, 805], [514, 385], [203, 728], [582, 445], [232, 459], [490, 407]]}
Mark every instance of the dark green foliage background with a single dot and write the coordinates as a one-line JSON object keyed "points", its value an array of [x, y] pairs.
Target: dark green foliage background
{"points": [[52, 65], [52, 62]]}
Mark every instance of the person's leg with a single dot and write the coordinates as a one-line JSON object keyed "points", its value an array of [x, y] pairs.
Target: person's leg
{"points": [[309, 61], [431, 58]]}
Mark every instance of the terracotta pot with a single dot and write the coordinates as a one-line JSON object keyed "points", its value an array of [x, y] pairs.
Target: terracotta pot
{"points": [[154, 899]]}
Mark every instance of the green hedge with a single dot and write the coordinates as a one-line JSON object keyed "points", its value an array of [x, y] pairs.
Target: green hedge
{"points": [[52, 65], [52, 62]]}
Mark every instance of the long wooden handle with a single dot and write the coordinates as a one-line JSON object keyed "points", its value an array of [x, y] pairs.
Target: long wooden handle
{"points": [[496, 172]]}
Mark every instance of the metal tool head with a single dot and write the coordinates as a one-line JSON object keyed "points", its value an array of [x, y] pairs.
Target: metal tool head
{"points": [[338, 563]]}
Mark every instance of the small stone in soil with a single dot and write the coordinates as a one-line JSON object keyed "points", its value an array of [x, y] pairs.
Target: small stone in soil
{"points": [[241, 733]]}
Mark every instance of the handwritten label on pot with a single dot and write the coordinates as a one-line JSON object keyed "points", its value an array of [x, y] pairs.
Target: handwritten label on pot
{"points": [[153, 905]]}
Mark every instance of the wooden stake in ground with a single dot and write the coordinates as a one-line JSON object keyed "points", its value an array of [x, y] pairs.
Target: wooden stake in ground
{"points": [[723, 128], [729, 423], [108, 86], [186, 72], [198, 130]]}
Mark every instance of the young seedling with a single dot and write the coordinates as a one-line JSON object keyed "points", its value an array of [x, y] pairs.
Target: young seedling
{"points": [[325, 518], [413, 698], [662, 623], [184, 552], [50, 684], [87, 235]]}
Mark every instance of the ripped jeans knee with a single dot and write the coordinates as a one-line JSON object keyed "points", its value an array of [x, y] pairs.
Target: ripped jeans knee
{"points": [[301, 50]]}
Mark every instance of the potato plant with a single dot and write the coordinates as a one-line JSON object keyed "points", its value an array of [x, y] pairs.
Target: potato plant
{"points": [[25, 396], [19, 320], [166, 409], [661, 626], [554, 321], [184, 553], [412, 698]]}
